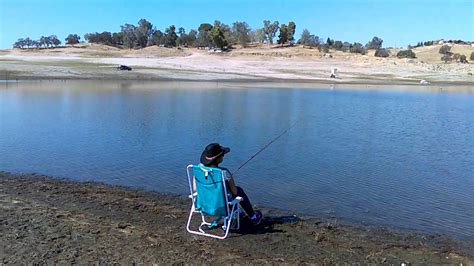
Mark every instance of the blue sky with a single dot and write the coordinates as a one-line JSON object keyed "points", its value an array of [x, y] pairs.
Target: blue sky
{"points": [[398, 23]]}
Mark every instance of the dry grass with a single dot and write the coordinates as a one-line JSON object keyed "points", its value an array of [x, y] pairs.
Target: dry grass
{"points": [[430, 54]]}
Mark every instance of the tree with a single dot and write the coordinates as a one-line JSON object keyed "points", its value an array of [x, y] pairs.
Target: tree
{"points": [[382, 53], [72, 39], [307, 39], [346, 47], [259, 36], [472, 56], [20, 43], [241, 32], [357, 48], [35, 43], [203, 35], [291, 31], [102, 38], [375, 43], [463, 59], [226, 31], [338, 45], [181, 36], [170, 36], [329, 42], [270, 30], [217, 38], [117, 38], [445, 49], [143, 32], [283, 37], [54, 40], [191, 38], [157, 38], [447, 58], [305, 36], [129, 36], [43, 41], [406, 54]]}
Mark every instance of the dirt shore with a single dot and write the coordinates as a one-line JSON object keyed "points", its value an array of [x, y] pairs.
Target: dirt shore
{"points": [[255, 64], [47, 220]]}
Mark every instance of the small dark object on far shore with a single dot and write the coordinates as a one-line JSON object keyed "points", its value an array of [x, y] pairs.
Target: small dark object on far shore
{"points": [[124, 67]]}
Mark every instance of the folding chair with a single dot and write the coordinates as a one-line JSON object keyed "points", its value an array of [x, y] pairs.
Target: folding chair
{"points": [[210, 198]]}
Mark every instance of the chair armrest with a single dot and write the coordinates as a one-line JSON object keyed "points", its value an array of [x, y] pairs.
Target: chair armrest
{"points": [[193, 195], [236, 200]]}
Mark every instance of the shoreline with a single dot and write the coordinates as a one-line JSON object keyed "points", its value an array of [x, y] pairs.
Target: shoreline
{"points": [[244, 65], [45, 219], [449, 87]]}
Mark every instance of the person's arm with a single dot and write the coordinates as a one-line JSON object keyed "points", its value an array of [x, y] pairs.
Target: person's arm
{"points": [[231, 184]]}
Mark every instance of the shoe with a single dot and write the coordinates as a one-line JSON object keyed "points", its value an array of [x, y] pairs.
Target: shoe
{"points": [[257, 218]]}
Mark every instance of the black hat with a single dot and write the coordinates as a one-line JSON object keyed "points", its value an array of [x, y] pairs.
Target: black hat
{"points": [[212, 152]]}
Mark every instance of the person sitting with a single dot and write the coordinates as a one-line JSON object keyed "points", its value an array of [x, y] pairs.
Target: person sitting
{"points": [[212, 156]]}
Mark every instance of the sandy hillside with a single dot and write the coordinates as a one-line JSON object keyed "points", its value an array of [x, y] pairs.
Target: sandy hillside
{"points": [[262, 63]]}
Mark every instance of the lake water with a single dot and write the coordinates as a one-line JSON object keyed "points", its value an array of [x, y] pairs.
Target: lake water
{"points": [[392, 158]]}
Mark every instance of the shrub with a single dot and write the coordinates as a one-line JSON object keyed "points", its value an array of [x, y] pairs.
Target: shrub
{"points": [[447, 58], [445, 49], [463, 59], [326, 48], [382, 53], [472, 56], [406, 54], [357, 48], [338, 45]]}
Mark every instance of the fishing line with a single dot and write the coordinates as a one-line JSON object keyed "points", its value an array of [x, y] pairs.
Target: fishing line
{"points": [[266, 146]]}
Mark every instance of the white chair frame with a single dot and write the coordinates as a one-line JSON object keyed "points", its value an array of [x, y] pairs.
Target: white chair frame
{"points": [[231, 221]]}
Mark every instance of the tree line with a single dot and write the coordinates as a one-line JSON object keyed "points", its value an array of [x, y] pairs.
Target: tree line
{"points": [[216, 35]]}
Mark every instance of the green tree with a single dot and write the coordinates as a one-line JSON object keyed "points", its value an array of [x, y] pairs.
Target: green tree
{"points": [[329, 42], [117, 38], [338, 45], [406, 54], [170, 36], [375, 43], [291, 31], [241, 32], [203, 35], [307, 39], [270, 30], [445, 49], [346, 47], [226, 30], [72, 39], [304, 39], [357, 48], [283, 37], [54, 40], [191, 38], [181, 36], [447, 58], [381, 53], [129, 36], [20, 43], [259, 36], [143, 32], [157, 38], [217, 38]]}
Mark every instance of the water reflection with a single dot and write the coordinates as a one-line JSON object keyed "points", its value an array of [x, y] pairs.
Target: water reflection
{"points": [[395, 158]]}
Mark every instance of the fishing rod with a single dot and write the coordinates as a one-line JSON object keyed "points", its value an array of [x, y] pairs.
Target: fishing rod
{"points": [[266, 146]]}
